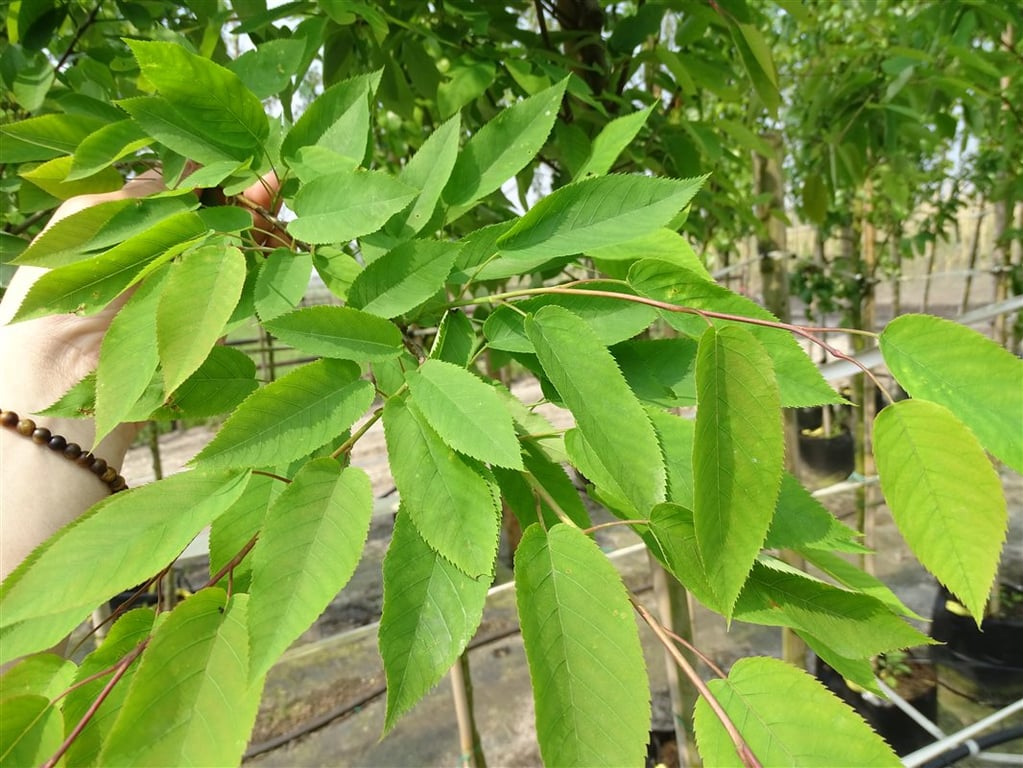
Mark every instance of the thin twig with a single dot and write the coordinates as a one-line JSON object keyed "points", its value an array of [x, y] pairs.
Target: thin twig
{"points": [[544, 494], [90, 19], [233, 562], [122, 667], [612, 524], [346, 446], [741, 747], [264, 473]]}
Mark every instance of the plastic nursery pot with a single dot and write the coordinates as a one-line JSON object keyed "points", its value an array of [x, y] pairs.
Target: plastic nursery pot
{"points": [[809, 418], [916, 684], [986, 664], [827, 455]]}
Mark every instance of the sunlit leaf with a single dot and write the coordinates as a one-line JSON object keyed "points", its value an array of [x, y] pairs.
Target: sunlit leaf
{"points": [[582, 644], [944, 495], [403, 278], [773, 702], [979, 381], [289, 417], [338, 332], [308, 549]]}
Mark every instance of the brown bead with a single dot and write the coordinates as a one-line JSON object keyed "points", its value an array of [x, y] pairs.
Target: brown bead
{"points": [[57, 443], [41, 435], [9, 418], [108, 476], [98, 466], [118, 484], [85, 460], [72, 451], [26, 427]]}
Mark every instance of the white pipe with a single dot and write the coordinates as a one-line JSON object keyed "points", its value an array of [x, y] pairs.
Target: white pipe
{"points": [[910, 710], [931, 751]]}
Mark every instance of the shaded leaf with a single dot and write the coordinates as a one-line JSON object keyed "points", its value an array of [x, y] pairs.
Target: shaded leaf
{"points": [[106, 146], [30, 730], [431, 612], [582, 644], [611, 141], [738, 454], [282, 282], [799, 381]]}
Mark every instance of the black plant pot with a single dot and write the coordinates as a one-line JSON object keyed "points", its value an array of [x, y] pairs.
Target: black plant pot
{"points": [[902, 733], [809, 418], [986, 664], [828, 455]]}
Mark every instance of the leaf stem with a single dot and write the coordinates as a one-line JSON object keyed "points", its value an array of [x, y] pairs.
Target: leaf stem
{"points": [[544, 494], [120, 669], [346, 446], [612, 524], [741, 747], [231, 564], [264, 473]]}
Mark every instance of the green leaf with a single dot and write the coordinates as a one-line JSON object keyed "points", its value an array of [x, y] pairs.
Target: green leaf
{"points": [[308, 549], [337, 120], [290, 417], [205, 93], [45, 674], [662, 244], [231, 532], [451, 499], [456, 339], [462, 84], [944, 495], [86, 287], [849, 624], [593, 466], [282, 282], [803, 523], [612, 141], [502, 148], [847, 574], [52, 178], [268, 70], [99, 227], [527, 502], [661, 372], [31, 730], [594, 213], [127, 357], [403, 278], [126, 633], [676, 435], [106, 146], [428, 170], [200, 294], [606, 412], [674, 544], [431, 612], [773, 702], [979, 381], [338, 207], [226, 377], [159, 119], [191, 702], [110, 548], [467, 414], [738, 454], [612, 319], [62, 133], [582, 644], [799, 381], [338, 332], [755, 52]]}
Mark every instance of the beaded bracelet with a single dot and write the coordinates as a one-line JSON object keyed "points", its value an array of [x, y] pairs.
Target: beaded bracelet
{"points": [[70, 451]]}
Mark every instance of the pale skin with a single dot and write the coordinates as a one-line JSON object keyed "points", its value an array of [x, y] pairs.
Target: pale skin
{"points": [[40, 360]]}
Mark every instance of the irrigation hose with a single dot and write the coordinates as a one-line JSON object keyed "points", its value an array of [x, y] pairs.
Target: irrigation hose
{"points": [[975, 746]]}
